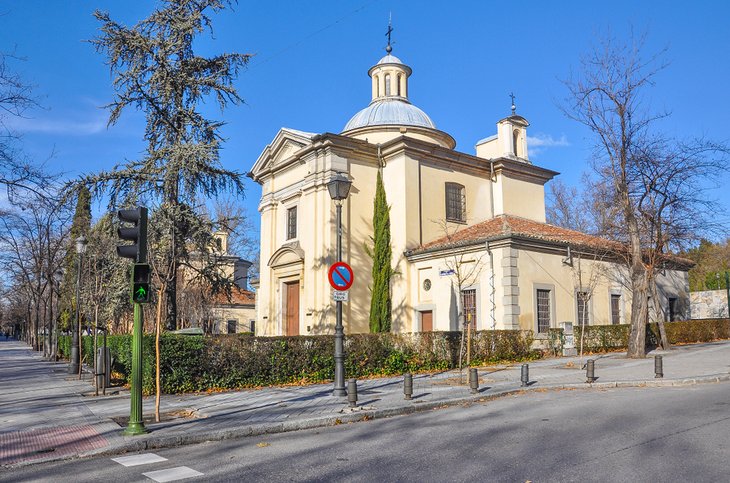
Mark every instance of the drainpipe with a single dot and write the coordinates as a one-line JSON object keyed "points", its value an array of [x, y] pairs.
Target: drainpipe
{"points": [[492, 288], [491, 189]]}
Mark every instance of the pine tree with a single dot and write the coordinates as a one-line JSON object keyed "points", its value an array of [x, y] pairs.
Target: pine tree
{"points": [[157, 72], [382, 254]]}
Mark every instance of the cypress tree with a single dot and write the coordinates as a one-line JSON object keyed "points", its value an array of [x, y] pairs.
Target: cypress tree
{"points": [[79, 227], [380, 304]]}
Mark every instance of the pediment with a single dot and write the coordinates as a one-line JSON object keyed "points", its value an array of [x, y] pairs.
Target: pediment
{"points": [[284, 145], [288, 254]]}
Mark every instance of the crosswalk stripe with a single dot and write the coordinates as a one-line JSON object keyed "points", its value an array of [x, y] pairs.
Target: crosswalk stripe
{"points": [[172, 474], [139, 459]]}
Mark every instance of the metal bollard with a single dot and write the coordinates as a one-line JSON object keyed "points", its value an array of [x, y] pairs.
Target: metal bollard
{"points": [[658, 367], [408, 385], [352, 392], [525, 374], [474, 380], [590, 371]]}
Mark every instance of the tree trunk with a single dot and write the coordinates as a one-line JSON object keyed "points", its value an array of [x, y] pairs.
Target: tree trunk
{"points": [[639, 307]]}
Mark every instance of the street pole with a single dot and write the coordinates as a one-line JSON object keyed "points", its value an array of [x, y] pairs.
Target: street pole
{"points": [[73, 367], [339, 329], [135, 426]]}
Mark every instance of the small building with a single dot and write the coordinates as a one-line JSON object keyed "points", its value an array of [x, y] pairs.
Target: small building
{"points": [[468, 231]]}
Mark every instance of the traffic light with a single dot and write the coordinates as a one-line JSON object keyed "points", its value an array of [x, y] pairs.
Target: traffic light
{"points": [[137, 234], [141, 283]]}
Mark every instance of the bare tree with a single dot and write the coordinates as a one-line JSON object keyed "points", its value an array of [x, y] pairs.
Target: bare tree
{"points": [[32, 247], [464, 267], [17, 174], [657, 184]]}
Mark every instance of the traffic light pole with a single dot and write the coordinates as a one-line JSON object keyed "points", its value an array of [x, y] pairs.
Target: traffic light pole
{"points": [[135, 426], [140, 295]]}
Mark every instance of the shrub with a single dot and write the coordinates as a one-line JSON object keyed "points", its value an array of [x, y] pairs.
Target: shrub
{"points": [[198, 363]]}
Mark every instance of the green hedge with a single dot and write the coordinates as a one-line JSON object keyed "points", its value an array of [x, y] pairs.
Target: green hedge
{"points": [[197, 363], [602, 338]]}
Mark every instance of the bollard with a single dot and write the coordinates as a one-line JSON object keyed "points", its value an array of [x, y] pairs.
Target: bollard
{"points": [[352, 392], [525, 374], [658, 367], [590, 371], [408, 385], [474, 380]]}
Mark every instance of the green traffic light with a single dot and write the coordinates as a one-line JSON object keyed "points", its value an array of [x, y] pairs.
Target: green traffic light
{"points": [[141, 293]]}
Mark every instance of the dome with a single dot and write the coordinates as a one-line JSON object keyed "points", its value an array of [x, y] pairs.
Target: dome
{"points": [[389, 59], [390, 111]]}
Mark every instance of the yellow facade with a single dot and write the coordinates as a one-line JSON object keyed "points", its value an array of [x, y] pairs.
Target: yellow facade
{"points": [[419, 165]]}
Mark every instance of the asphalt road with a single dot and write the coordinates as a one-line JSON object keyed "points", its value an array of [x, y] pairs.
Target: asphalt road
{"points": [[639, 434]]}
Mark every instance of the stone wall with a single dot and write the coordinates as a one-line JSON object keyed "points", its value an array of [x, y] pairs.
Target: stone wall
{"points": [[708, 304]]}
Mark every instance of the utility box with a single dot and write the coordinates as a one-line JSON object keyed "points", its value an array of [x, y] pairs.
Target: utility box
{"points": [[568, 339]]}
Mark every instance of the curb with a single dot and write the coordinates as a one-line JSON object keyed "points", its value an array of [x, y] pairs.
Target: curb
{"points": [[143, 443]]}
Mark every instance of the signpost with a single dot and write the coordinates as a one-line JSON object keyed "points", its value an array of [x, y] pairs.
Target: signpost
{"points": [[341, 277]]}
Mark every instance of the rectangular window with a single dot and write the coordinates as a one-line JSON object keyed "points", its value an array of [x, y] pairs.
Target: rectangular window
{"points": [[291, 223], [672, 309], [469, 303], [455, 202], [231, 326], [543, 311], [615, 309], [583, 318]]}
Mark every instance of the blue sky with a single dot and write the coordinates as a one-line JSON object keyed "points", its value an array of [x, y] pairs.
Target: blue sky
{"points": [[310, 72]]}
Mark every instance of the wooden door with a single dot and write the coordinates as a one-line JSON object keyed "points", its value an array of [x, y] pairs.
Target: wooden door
{"points": [[291, 310], [427, 321]]}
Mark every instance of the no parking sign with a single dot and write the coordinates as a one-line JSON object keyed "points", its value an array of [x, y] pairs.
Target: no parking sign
{"points": [[341, 276]]}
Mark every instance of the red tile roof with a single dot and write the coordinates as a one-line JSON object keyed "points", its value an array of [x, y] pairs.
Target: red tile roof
{"points": [[513, 225], [508, 225]]}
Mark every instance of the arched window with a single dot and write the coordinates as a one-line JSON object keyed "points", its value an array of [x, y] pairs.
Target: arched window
{"points": [[387, 84], [397, 85], [515, 138], [455, 202], [377, 86]]}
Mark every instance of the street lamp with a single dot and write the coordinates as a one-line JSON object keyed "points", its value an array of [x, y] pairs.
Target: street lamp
{"points": [[58, 278], [75, 366], [339, 188]]}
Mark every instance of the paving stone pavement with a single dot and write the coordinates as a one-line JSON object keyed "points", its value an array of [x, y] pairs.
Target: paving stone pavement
{"points": [[45, 414]]}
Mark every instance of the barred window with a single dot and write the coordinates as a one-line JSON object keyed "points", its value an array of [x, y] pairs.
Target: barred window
{"points": [[469, 303], [455, 202], [615, 309], [231, 326], [583, 315], [291, 223], [543, 311]]}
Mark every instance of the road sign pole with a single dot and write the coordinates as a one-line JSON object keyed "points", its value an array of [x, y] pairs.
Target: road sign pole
{"points": [[135, 426], [339, 329]]}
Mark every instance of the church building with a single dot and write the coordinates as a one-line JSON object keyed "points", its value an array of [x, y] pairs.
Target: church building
{"points": [[468, 231]]}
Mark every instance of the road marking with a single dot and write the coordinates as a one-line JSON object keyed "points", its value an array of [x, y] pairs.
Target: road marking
{"points": [[172, 474], [139, 459]]}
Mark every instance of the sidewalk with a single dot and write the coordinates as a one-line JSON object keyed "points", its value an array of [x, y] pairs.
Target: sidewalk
{"points": [[47, 414]]}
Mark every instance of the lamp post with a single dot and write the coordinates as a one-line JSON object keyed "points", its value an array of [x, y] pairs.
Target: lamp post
{"points": [[75, 365], [339, 188], [57, 278]]}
